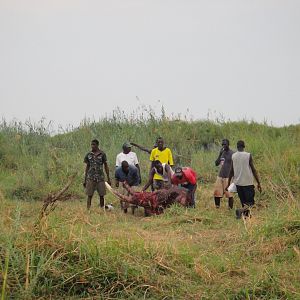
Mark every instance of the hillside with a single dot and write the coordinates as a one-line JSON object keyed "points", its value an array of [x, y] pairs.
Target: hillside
{"points": [[183, 254]]}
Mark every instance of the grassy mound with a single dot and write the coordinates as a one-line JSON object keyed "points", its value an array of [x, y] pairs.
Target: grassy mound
{"points": [[182, 254]]}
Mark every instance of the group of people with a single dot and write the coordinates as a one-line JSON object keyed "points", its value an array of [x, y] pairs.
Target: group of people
{"points": [[238, 166], [162, 174]]}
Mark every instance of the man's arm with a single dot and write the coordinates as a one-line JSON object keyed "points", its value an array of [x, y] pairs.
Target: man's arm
{"points": [[168, 169], [255, 173], [152, 165], [107, 173], [218, 160], [85, 174], [118, 163], [136, 178], [152, 159], [139, 173], [136, 163], [170, 158], [106, 168], [141, 147], [231, 174], [150, 180], [117, 181]]}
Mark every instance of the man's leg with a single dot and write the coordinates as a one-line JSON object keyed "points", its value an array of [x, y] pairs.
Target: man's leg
{"points": [[89, 202], [193, 200], [191, 190], [152, 187], [227, 194], [190, 194], [102, 192], [249, 199], [132, 206], [240, 192], [124, 205], [89, 190], [218, 193], [133, 209], [125, 209], [147, 212], [101, 201], [217, 202], [241, 195]]}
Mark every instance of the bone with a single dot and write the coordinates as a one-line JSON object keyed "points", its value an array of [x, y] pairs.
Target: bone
{"points": [[117, 194]]}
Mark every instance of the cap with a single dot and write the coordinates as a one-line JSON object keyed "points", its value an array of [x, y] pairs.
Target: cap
{"points": [[178, 171], [127, 145]]}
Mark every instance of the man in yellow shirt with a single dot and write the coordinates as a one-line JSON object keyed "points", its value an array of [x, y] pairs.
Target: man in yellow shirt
{"points": [[164, 155]]}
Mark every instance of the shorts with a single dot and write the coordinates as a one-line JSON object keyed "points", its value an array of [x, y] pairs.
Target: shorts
{"points": [[92, 186], [160, 184], [246, 194], [220, 186]]}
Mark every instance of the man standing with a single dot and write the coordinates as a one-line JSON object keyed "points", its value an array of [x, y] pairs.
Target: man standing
{"points": [[126, 173], [165, 173], [129, 156], [94, 175], [224, 160], [162, 154], [242, 172], [187, 178]]}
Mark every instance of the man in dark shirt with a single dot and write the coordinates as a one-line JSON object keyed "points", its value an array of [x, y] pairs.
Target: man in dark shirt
{"points": [[130, 174], [224, 160], [94, 175]]}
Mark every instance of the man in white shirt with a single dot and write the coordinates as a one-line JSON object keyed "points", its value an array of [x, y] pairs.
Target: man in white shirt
{"points": [[242, 171], [129, 156]]}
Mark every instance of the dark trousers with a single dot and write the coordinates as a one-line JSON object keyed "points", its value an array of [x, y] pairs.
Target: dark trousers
{"points": [[246, 194], [190, 187]]}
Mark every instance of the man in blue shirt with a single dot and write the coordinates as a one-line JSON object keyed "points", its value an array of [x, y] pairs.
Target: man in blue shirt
{"points": [[130, 174]]}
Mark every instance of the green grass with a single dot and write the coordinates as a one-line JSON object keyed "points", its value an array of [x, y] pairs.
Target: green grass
{"points": [[183, 254]]}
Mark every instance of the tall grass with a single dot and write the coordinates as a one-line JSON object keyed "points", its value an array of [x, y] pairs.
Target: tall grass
{"points": [[34, 162], [183, 254]]}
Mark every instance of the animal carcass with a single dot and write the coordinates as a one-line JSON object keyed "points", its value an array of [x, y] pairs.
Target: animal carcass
{"points": [[154, 202]]}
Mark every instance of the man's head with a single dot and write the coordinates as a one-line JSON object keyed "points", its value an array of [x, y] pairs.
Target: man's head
{"points": [[160, 143], [178, 172], [126, 147], [94, 145], [158, 166], [125, 166], [225, 144], [240, 145]]}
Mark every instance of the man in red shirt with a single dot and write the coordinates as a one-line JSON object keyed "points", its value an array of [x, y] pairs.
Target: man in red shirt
{"points": [[187, 178]]}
